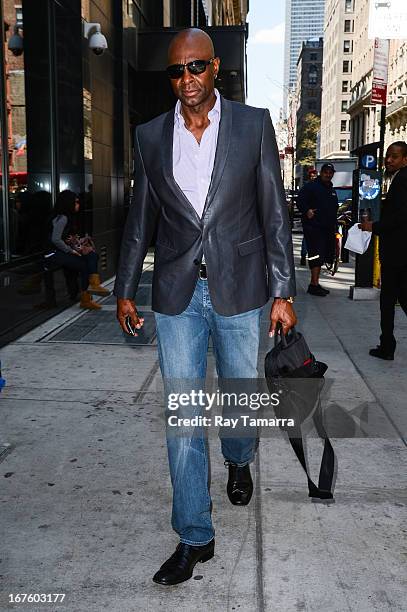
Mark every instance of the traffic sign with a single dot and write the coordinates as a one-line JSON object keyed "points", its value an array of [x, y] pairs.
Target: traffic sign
{"points": [[369, 161]]}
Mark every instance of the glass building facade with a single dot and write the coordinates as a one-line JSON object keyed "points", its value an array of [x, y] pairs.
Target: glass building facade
{"points": [[67, 117], [64, 125], [304, 19]]}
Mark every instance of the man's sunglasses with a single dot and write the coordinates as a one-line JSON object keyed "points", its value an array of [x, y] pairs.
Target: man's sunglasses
{"points": [[175, 71]]}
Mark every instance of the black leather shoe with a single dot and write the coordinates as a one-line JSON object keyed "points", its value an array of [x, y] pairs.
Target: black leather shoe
{"points": [[303, 261], [180, 566], [317, 290], [326, 291], [381, 354], [240, 484]]}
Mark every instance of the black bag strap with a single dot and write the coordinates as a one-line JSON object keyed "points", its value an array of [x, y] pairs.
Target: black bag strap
{"points": [[327, 468]]}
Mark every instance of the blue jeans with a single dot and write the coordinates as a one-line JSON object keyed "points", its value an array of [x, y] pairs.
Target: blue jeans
{"points": [[182, 349]]}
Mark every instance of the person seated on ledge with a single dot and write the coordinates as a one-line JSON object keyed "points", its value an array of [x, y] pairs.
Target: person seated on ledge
{"points": [[73, 252]]}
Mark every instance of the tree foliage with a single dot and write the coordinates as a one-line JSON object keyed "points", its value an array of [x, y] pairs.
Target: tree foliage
{"points": [[307, 141]]}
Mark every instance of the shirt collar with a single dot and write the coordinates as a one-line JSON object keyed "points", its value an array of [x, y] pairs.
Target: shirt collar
{"points": [[213, 115]]}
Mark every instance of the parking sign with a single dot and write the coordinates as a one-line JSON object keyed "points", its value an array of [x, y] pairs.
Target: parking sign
{"points": [[369, 161]]}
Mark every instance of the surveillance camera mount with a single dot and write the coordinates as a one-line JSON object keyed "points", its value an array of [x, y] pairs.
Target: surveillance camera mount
{"points": [[91, 28]]}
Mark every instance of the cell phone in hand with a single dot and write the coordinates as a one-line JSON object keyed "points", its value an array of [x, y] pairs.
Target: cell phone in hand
{"points": [[129, 326]]}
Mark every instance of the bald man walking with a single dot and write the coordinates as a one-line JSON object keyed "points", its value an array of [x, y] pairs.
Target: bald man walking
{"points": [[207, 179]]}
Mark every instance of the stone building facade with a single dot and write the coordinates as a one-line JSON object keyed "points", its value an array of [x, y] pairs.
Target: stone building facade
{"points": [[337, 78]]}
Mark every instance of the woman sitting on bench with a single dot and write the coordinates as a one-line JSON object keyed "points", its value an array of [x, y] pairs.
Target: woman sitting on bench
{"points": [[74, 252]]}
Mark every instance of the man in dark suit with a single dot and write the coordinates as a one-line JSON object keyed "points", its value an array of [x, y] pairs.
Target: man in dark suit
{"points": [[207, 179], [392, 232]]}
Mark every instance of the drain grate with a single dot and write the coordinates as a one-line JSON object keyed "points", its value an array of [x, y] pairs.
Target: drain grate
{"points": [[5, 449], [102, 328]]}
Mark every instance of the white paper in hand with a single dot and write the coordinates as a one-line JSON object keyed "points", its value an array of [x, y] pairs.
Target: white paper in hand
{"points": [[357, 241]]}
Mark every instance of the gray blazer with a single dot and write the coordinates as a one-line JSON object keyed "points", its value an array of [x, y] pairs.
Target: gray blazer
{"points": [[244, 231]]}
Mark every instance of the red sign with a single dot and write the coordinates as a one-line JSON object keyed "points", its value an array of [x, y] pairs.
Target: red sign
{"points": [[379, 94]]}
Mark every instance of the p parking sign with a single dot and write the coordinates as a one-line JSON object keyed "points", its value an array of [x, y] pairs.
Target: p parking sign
{"points": [[369, 161]]}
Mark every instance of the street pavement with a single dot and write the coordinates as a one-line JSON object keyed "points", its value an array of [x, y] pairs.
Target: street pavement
{"points": [[86, 493]]}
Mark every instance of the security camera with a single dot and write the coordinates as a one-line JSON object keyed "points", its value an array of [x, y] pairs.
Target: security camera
{"points": [[16, 43], [97, 42]]}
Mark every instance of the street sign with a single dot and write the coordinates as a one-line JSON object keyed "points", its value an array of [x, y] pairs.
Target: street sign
{"points": [[380, 71], [387, 19], [369, 161]]}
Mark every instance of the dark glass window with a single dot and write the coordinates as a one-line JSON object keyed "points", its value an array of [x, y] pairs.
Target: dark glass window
{"points": [[147, 14], [349, 6], [348, 27], [313, 75], [19, 14]]}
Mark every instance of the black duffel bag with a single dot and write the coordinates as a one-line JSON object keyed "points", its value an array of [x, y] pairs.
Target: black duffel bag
{"points": [[289, 366]]}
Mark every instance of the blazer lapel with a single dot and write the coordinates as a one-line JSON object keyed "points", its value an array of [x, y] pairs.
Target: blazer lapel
{"points": [[222, 148], [167, 163]]}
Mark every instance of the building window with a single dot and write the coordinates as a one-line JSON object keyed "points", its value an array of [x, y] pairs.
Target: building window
{"points": [[313, 75], [345, 86], [349, 6], [344, 106], [146, 14], [313, 57], [19, 14], [346, 66], [348, 25], [342, 145], [344, 125], [347, 46], [311, 105]]}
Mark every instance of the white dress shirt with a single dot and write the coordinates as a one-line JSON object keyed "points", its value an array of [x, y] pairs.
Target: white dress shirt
{"points": [[193, 162]]}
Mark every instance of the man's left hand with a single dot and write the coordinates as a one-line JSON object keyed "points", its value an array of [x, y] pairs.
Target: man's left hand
{"points": [[283, 312]]}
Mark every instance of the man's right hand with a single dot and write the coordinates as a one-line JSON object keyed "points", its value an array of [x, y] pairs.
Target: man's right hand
{"points": [[311, 213], [126, 307]]}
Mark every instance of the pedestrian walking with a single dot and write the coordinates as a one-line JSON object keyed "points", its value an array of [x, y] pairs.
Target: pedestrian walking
{"points": [[207, 179], [392, 232], [318, 203], [312, 175]]}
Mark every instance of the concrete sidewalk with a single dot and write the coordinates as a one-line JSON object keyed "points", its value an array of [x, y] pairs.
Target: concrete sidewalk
{"points": [[86, 493]]}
